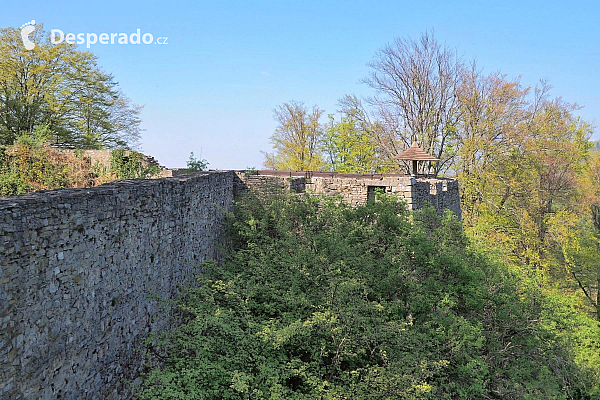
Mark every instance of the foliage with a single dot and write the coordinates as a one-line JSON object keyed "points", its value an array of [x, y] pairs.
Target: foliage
{"points": [[576, 247], [316, 299], [58, 86], [127, 164], [193, 164], [372, 140], [297, 139], [350, 149], [31, 165], [528, 179]]}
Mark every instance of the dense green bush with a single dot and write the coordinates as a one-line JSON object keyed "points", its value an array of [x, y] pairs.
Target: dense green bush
{"points": [[127, 164], [29, 165], [319, 300]]}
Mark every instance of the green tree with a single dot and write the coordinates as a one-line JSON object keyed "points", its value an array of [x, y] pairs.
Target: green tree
{"points": [[194, 164], [349, 148], [575, 239], [492, 108], [528, 179], [64, 89], [576, 248], [297, 139]]}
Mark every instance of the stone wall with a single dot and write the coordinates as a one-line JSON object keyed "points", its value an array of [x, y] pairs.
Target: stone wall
{"points": [[77, 267], [268, 184], [443, 194], [356, 189]]}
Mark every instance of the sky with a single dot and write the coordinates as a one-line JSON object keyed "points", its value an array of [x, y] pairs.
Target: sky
{"points": [[226, 65]]}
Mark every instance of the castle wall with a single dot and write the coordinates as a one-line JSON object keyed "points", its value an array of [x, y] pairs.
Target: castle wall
{"points": [[77, 267], [441, 193], [356, 190]]}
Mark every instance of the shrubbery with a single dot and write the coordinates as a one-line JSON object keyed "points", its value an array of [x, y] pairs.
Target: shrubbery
{"points": [[194, 164], [319, 300], [30, 164], [127, 164]]}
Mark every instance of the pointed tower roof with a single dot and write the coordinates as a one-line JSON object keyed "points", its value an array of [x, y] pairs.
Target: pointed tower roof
{"points": [[415, 153]]}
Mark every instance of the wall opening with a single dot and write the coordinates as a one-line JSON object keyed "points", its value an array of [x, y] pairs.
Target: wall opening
{"points": [[371, 190]]}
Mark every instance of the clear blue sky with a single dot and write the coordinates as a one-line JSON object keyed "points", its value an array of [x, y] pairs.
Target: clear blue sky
{"points": [[227, 64]]}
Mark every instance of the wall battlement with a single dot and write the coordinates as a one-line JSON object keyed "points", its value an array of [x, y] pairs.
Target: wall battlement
{"points": [[77, 267]]}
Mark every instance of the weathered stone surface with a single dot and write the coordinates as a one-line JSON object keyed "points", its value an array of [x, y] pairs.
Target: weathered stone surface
{"points": [[442, 193], [75, 309]]}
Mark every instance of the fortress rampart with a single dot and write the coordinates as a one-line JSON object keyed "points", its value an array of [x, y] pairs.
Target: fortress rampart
{"points": [[79, 268]]}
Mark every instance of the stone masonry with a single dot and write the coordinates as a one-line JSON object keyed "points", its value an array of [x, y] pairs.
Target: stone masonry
{"points": [[79, 268], [356, 189]]}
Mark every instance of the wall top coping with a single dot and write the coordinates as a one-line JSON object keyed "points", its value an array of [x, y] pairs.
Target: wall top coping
{"points": [[320, 174], [43, 196], [24, 200]]}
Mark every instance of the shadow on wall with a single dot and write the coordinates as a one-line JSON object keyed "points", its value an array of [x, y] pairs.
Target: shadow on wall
{"points": [[77, 267]]}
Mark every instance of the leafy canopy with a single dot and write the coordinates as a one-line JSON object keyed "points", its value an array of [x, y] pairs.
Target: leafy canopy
{"points": [[57, 86]]}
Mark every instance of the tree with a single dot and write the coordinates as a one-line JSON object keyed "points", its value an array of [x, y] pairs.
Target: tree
{"points": [[575, 237], [57, 86], [297, 139], [577, 251], [416, 84], [349, 148], [522, 166], [194, 164], [491, 109]]}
